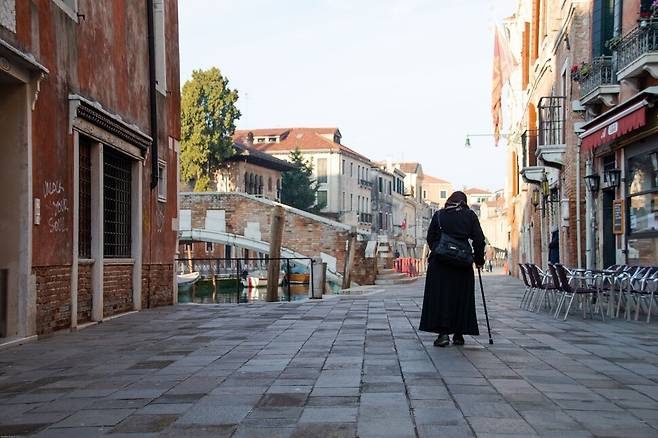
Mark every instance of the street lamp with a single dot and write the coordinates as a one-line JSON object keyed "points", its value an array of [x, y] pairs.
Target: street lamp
{"points": [[593, 181], [467, 143], [613, 177]]}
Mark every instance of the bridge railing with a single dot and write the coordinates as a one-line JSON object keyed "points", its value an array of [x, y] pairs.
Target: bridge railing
{"points": [[239, 268], [410, 266]]}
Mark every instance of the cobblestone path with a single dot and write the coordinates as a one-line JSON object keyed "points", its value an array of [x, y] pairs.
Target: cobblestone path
{"points": [[344, 366]]}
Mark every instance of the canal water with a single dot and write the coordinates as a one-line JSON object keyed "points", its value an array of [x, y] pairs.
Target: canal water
{"points": [[203, 292]]}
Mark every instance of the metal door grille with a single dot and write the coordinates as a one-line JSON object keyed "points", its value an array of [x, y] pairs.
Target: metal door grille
{"points": [[116, 203], [84, 218]]}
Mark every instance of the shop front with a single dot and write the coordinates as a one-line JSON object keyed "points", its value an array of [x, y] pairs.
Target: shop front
{"points": [[622, 209]]}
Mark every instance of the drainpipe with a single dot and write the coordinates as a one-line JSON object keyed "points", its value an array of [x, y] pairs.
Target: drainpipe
{"points": [[578, 231], [589, 249], [152, 95]]}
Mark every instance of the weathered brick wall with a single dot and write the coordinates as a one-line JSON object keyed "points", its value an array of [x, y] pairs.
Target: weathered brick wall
{"points": [[53, 298], [84, 293], [303, 234], [364, 270], [157, 285], [117, 289]]}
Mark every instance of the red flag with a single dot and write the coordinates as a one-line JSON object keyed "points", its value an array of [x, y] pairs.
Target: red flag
{"points": [[404, 224], [503, 63]]}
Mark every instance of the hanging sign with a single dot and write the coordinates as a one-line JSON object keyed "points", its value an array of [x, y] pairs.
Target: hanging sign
{"points": [[618, 216]]}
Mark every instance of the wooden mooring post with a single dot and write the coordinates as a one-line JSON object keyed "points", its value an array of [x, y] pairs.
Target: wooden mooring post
{"points": [[273, 267], [349, 259]]}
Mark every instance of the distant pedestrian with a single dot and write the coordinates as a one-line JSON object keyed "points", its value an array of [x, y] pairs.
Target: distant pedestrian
{"points": [[449, 301], [554, 246], [397, 254], [489, 257]]}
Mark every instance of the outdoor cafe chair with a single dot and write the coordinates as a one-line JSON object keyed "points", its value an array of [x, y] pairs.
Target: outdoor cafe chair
{"points": [[625, 280], [585, 290], [529, 289], [640, 290], [543, 285]]}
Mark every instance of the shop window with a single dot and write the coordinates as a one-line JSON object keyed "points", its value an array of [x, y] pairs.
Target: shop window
{"points": [[84, 187], [117, 193], [642, 181]]}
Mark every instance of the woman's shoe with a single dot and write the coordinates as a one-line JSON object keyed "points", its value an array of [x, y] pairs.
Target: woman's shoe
{"points": [[442, 341], [457, 339]]}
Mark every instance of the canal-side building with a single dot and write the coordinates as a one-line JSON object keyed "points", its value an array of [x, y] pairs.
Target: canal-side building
{"points": [[90, 158], [547, 43], [253, 172], [343, 175]]}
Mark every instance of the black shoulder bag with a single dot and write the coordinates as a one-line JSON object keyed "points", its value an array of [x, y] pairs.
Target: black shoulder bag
{"points": [[453, 251]]}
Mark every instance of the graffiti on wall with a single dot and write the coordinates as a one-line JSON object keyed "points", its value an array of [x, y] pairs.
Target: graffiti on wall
{"points": [[57, 206]]}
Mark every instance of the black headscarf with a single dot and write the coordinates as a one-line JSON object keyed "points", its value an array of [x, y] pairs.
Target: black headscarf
{"points": [[457, 200]]}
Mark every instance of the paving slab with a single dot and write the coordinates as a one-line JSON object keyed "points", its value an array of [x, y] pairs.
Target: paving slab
{"points": [[343, 367]]}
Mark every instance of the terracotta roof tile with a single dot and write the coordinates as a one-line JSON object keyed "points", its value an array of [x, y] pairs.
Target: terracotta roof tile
{"points": [[304, 139], [477, 191], [433, 180]]}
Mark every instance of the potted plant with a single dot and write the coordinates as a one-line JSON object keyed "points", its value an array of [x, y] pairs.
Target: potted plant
{"points": [[580, 72]]}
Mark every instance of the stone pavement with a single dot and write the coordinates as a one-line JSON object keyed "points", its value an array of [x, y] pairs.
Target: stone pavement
{"points": [[340, 367]]}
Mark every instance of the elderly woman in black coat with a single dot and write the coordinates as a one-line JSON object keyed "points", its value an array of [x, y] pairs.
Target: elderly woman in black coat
{"points": [[449, 302]]}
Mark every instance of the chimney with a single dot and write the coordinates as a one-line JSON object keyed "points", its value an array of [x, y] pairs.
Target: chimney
{"points": [[249, 141]]}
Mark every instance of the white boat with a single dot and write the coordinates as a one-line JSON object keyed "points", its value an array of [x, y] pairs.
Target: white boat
{"points": [[259, 279], [187, 279]]}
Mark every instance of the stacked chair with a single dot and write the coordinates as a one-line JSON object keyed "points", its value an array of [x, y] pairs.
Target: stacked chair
{"points": [[617, 289]]}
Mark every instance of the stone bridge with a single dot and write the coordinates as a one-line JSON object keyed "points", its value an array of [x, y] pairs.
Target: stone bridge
{"points": [[244, 221]]}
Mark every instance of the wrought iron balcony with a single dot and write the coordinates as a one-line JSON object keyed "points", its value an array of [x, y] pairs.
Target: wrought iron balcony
{"points": [[637, 52], [600, 85], [550, 139], [365, 183], [365, 218]]}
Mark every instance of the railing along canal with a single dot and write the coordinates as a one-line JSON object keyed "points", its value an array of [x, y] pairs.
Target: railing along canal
{"points": [[237, 269]]}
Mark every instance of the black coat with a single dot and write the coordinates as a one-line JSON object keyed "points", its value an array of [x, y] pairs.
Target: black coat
{"points": [[449, 302]]}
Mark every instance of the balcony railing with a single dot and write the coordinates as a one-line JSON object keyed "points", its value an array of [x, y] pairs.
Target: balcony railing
{"points": [[639, 41], [551, 120], [365, 183], [602, 72], [365, 218]]}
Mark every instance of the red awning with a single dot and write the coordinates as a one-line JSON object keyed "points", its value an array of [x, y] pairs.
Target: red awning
{"points": [[613, 126]]}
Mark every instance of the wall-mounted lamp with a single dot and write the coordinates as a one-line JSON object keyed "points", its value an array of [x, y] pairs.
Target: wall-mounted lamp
{"points": [[613, 177], [545, 187], [535, 198], [592, 182]]}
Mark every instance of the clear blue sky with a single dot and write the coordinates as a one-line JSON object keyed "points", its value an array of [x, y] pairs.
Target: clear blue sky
{"points": [[402, 79]]}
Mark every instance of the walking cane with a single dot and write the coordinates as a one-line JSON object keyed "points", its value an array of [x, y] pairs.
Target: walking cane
{"points": [[484, 304]]}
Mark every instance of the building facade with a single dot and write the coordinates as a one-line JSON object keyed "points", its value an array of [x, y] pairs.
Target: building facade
{"points": [[620, 138], [436, 190], [90, 161], [343, 174], [253, 172], [544, 188]]}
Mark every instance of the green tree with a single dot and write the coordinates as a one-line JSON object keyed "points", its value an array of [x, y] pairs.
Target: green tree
{"points": [[298, 188], [208, 116]]}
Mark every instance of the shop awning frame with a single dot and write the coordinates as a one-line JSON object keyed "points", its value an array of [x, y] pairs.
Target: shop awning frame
{"points": [[618, 121]]}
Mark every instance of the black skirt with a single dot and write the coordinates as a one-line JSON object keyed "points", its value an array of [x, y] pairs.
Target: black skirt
{"points": [[449, 301]]}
